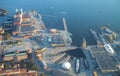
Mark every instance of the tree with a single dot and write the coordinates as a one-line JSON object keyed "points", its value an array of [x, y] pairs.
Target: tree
{"points": [[23, 65], [29, 55], [12, 62], [42, 74], [34, 67], [31, 61], [37, 68], [6, 67]]}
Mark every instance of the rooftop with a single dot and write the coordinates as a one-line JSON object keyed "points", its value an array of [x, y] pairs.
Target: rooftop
{"points": [[18, 72], [27, 28], [28, 23], [0, 37], [106, 62], [20, 46], [57, 39]]}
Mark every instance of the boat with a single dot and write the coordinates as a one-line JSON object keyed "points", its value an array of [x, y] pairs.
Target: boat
{"points": [[109, 49], [77, 65], [84, 43], [44, 65], [96, 37], [81, 60], [95, 73], [86, 64], [3, 12]]}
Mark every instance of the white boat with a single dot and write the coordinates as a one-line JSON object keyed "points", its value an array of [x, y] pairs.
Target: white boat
{"points": [[77, 65]]}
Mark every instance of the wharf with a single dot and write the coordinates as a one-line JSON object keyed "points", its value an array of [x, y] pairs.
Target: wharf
{"points": [[34, 35]]}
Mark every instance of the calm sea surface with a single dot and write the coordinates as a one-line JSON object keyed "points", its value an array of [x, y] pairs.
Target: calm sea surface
{"points": [[81, 15]]}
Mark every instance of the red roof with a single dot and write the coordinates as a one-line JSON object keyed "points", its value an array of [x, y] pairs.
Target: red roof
{"points": [[0, 37], [18, 72]]}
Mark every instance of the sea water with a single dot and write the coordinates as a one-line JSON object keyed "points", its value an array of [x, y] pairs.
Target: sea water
{"points": [[80, 15]]}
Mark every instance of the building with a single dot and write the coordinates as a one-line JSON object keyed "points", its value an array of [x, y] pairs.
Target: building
{"points": [[22, 22], [15, 56], [109, 34], [1, 38], [27, 24], [105, 61], [1, 32], [18, 72], [1, 66], [41, 50]]}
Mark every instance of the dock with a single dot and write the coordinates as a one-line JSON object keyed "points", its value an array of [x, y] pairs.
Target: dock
{"points": [[103, 59]]}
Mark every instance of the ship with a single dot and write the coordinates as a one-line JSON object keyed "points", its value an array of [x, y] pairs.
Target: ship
{"points": [[3, 12], [109, 49], [44, 65], [84, 43], [86, 64], [99, 43], [81, 60], [95, 73], [77, 65]]}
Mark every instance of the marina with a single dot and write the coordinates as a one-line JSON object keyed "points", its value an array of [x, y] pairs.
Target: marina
{"points": [[29, 32], [52, 51]]}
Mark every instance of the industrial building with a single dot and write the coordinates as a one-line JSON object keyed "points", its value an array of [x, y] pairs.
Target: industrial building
{"points": [[15, 56], [25, 23], [18, 72]]}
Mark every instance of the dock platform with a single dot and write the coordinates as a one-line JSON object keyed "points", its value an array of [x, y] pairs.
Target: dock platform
{"points": [[105, 61]]}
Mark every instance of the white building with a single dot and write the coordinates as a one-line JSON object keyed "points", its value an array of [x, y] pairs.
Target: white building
{"points": [[66, 66]]}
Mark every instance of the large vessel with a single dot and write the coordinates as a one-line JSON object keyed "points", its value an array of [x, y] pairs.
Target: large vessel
{"points": [[95, 73], [3, 12], [109, 49], [77, 65], [86, 64], [84, 43], [44, 65]]}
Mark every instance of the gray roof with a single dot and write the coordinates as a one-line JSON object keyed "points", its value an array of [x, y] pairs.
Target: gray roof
{"points": [[26, 28], [105, 61]]}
